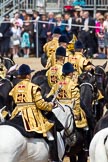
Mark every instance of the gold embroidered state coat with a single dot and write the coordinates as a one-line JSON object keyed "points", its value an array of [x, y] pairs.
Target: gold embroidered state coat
{"points": [[50, 49], [78, 60], [29, 103], [52, 59], [54, 74], [68, 93]]}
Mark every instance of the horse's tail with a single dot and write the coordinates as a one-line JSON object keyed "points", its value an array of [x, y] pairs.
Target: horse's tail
{"points": [[97, 148]]}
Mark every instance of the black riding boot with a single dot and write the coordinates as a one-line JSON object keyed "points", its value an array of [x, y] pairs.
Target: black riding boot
{"points": [[53, 147]]}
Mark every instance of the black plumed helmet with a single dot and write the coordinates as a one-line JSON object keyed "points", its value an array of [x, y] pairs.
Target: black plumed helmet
{"points": [[61, 51], [68, 68]]}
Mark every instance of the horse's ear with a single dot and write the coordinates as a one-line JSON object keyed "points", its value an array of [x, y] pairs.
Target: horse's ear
{"points": [[107, 73], [92, 71], [82, 69], [1, 59], [81, 78], [12, 68], [104, 65], [11, 57], [44, 59]]}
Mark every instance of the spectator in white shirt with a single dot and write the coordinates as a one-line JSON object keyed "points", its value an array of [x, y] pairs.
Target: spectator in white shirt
{"points": [[68, 21], [17, 20], [15, 39], [17, 24]]}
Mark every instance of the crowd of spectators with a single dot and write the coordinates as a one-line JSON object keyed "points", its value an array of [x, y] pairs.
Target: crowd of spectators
{"points": [[19, 35]]}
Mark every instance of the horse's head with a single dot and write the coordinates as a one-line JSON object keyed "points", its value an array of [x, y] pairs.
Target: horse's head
{"points": [[40, 79], [66, 117], [106, 89], [88, 91], [5, 87], [86, 77], [100, 74], [44, 59], [7, 62], [100, 70], [12, 74]]}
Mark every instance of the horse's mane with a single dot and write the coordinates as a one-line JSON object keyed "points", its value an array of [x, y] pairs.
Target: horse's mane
{"points": [[7, 62], [106, 88], [86, 77], [39, 73], [40, 79], [99, 70]]}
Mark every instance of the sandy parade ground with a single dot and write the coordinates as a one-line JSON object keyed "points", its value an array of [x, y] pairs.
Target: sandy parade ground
{"points": [[36, 65]]}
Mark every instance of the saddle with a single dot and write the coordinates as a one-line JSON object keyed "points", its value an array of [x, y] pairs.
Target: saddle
{"points": [[17, 123]]}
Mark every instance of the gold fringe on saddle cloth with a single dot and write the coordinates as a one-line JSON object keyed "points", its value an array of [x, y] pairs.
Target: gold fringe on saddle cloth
{"points": [[80, 118], [33, 119]]}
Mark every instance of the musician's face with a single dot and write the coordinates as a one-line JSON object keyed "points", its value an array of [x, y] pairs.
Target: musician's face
{"points": [[28, 76], [63, 44], [71, 74]]}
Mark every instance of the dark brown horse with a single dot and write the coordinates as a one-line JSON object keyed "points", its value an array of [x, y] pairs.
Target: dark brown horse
{"points": [[84, 135]]}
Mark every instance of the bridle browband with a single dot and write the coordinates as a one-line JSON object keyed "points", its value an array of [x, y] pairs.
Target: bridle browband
{"points": [[87, 84]]}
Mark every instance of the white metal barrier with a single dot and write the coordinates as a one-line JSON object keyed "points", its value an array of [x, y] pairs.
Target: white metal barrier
{"points": [[65, 24], [47, 5]]}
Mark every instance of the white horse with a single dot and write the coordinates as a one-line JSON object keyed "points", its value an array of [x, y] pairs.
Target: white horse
{"points": [[14, 147], [98, 150]]}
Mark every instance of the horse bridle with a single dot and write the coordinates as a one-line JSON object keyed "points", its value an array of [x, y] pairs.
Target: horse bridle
{"points": [[7, 80], [94, 93], [102, 68], [87, 84], [72, 135]]}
